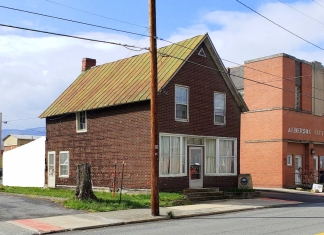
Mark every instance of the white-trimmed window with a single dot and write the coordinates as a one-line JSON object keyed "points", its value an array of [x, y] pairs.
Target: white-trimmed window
{"points": [[81, 121], [221, 157], [64, 164], [181, 103], [289, 160], [219, 108], [172, 156]]}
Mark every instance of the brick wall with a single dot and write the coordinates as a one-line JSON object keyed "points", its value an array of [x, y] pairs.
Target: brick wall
{"points": [[265, 139], [122, 133]]}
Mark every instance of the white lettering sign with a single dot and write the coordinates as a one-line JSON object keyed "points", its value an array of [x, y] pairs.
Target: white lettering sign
{"points": [[296, 130]]}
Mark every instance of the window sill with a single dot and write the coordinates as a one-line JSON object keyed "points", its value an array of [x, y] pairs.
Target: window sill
{"points": [[63, 176], [82, 131], [219, 124], [165, 176], [220, 174], [182, 120]]}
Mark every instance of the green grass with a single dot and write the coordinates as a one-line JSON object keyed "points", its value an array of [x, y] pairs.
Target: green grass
{"points": [[106, 201]]}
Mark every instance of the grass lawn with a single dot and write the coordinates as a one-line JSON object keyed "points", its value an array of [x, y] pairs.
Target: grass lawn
{"points": [[106, 201]]}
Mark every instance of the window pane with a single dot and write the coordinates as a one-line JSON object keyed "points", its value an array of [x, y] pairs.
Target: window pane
{"points": [[226, 148], [210, 156], [175, 146], [175, 165], [165, 145], [226, 165], [181, 95], [181, 111], [164, 164], [220, 119]]}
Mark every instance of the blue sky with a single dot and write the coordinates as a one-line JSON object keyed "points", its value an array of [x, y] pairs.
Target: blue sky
{"points": [[36, 68]]}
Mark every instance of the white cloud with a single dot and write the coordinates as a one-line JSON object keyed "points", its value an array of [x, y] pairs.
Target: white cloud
{"points": [[36, 70]]}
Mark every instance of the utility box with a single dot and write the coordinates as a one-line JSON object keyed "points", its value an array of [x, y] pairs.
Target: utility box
{"points": [[245, 181]]}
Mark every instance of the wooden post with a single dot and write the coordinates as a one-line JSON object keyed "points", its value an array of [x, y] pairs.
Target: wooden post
{"points": [[155, 208]]}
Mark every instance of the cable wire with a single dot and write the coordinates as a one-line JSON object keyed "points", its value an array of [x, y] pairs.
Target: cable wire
{"points": [[280, 26], [317, 3], [301, 12], [73, 21], [75, 37], [87, 12]]}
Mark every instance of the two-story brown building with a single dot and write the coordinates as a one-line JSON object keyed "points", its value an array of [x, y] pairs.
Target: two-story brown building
{"points": [[103, 118]]}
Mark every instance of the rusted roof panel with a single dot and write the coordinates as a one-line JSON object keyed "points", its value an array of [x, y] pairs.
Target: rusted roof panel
{"points": [[122, 81]]}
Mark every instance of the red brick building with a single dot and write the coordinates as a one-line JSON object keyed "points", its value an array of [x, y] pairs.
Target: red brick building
{"points": [[282, 134], [103, 118]]}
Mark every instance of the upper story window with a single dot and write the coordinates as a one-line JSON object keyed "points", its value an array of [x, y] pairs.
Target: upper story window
{"points": [[219, 108], [181, 103], [81, 121]]}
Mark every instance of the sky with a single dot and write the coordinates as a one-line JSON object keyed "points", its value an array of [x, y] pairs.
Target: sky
{"points": [[36, 68]]}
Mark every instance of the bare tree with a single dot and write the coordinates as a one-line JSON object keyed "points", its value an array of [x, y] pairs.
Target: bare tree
{"points": [[83, 189]]}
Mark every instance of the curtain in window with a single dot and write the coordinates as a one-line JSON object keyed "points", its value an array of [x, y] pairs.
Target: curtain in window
{"points": [[210, 156], [165, 155], [226, 159], [175, 155], [183, 156]]}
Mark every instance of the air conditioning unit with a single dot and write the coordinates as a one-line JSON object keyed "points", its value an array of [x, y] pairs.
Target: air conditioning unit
{"points": [[245, 181]]}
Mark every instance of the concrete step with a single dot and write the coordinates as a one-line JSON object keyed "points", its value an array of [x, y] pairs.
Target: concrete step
{"points": [[203, 194]]}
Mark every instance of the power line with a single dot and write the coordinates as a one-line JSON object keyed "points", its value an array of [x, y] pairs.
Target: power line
{"points": [[15, 120], [75, 37], [280, 26], [317, 3], [248, 79], [24, 128], [73, 21], [301, 12], [87, 12]]}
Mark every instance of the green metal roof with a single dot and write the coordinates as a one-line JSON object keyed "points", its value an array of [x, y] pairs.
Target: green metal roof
{"points": [[122, 81]]}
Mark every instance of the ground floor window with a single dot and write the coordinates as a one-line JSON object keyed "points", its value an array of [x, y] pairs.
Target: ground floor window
{"points": [[221, 157], [64, 164], [172, 156], [220, 154]]}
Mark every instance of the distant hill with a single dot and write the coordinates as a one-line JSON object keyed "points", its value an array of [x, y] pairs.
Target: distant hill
{"points": [[41, 131]]}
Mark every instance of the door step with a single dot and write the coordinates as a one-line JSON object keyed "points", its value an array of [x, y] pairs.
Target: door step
{"points": [[203, 194]]}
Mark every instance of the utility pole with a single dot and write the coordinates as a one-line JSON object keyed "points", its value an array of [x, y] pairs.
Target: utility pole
{"points": [[155, 207]]}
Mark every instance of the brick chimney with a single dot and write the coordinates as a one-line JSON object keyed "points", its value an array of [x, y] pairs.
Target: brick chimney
{"points": [[87, 63]]}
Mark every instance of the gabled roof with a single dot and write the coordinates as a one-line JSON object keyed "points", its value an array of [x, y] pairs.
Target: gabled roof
{"points": [[128, 80]]}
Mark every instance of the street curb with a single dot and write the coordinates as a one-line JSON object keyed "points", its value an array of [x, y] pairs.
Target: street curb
{"points": [[165, 217]]}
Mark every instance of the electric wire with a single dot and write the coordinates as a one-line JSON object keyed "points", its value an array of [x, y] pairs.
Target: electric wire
{"points": [[55, 17], [317, 3], [75, 37], [26, 128], [87, 12], [245, 78], [301, 12], [280, 26], [73, 21]]}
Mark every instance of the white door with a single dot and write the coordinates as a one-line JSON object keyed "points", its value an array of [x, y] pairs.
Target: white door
{"points": [[196, 167], [315, 162], [51, 169], [298, 169]]}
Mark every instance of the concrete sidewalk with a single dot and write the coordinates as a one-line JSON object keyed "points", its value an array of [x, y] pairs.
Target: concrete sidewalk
{"points": [[103, 219]]}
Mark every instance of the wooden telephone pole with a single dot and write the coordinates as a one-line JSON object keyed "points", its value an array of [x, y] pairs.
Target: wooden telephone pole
{"points": [[155, 207]]}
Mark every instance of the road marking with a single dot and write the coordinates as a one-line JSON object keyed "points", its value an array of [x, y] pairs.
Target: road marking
{"points": [[40, 226]]}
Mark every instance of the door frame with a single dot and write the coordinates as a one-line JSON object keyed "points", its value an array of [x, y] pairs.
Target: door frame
{"points": [[196, 183], [51, 171], [298, 179]]}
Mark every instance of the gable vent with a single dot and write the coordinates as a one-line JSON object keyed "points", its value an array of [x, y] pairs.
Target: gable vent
{"points": [[202, 53]]}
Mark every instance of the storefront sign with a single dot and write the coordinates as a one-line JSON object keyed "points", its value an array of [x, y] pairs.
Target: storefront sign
{"points": [[296, 130]]}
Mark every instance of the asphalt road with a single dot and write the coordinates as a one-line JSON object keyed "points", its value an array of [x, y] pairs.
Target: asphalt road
{"points": [[303, 219], [13, 207], [307, 198]]}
